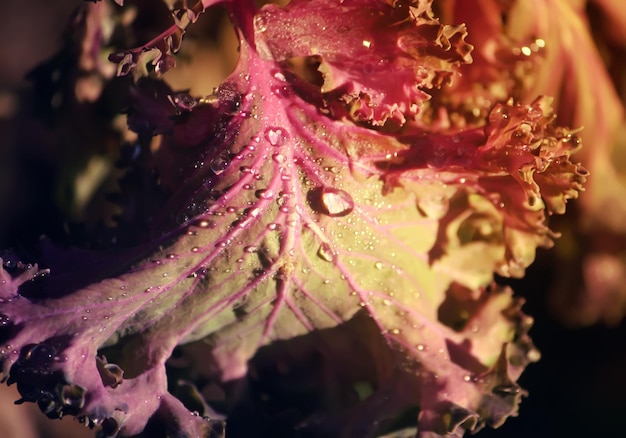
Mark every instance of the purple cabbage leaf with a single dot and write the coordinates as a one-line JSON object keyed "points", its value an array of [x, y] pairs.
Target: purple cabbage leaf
{"points": [[296, 205]]}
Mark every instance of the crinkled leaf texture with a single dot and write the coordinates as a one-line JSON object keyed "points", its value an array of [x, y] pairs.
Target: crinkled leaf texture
{"points": [[550, 47], [294, 219], [404, 42]]}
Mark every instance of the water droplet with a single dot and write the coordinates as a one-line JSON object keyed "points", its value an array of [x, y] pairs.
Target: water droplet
{"points": [[282, 91], [283, 198], [420, 347], [264, 194], [195, 249], [4, 320], [40, 353], [276, 136], [386, 302], [506, 390], [278, 158], [395, 331], [253, 212], [326, 253], [378, 265], [206, 224], [219, 164], [251, 249], [280, 76], [273, 226], [330, 201], [72, 397], [183, 101]]}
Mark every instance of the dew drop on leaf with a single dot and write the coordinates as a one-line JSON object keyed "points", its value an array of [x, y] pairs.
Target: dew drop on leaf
{"points": [[326, 253], [278, 158], [506, 390], [219, 164], [206, 224], [330, 201], [264, 194], [39, 353], [276, 136], [183, 101]]}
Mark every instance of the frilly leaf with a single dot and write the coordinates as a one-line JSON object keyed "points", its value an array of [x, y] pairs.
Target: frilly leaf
{"points": [[157, 56], [399, 40], [509, 171], [282, 221]]}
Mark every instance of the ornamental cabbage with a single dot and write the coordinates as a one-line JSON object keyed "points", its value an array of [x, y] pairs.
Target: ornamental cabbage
{"points": [[348, 190]]}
